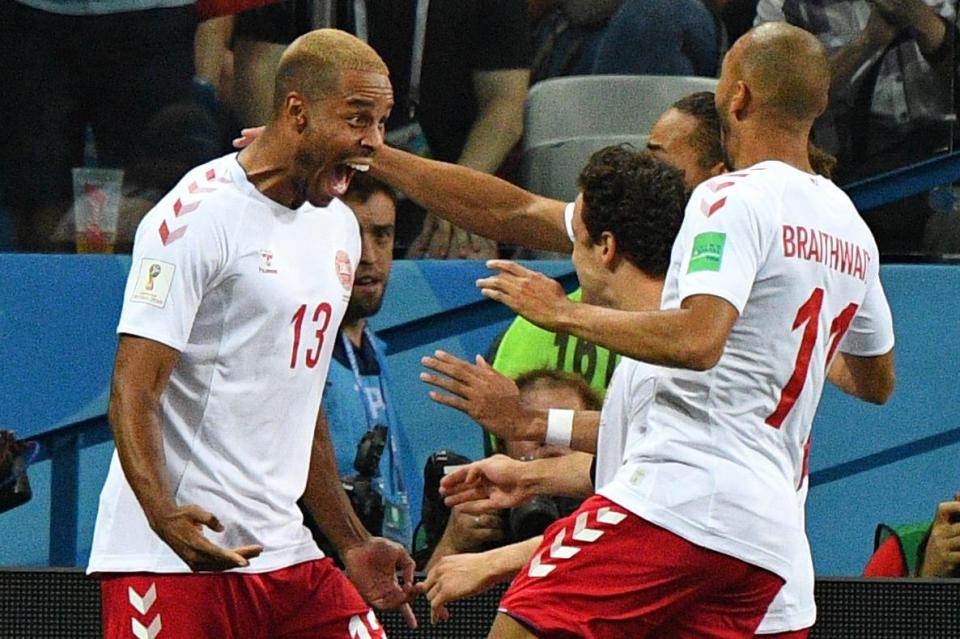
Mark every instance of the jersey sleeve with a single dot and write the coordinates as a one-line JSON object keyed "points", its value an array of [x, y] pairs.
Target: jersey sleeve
{"points": [[722, 244], [871, 332], [174, 261]]}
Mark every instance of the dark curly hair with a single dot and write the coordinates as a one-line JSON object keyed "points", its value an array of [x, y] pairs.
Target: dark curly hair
{"points": [[638, 199]]}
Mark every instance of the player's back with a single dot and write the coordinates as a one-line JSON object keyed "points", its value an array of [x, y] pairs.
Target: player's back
{"points": [[722, 459]]}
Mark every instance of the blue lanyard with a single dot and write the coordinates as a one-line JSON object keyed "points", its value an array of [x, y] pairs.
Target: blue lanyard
{"points": [[368, 406]]}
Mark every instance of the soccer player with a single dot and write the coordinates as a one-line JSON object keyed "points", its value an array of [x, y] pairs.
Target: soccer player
{"points": [[774, 276], [241, 276]]}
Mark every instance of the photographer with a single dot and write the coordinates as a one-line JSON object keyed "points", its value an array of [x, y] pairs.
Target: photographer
{"points": [[375, 459], [468, 530]]}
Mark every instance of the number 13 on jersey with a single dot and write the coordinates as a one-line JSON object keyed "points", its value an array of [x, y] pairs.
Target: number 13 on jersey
{"points": [[318, 323]]}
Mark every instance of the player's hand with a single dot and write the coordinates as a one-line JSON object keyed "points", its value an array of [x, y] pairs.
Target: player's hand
{"points": [[373, 565], [494, 483], [455, 577], [440, 240], [488, 397], [528, 293], [182, 530], [942, 555], [247, 136], [468, 532]]}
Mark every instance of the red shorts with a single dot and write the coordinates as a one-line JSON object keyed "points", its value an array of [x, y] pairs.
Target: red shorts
{"points": [[790, 634], [313, 599], [605, 573]]}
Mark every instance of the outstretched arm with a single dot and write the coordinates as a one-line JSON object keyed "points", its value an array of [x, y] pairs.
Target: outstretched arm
{"points": [[458, 576], [475, 201], [499, 482], [493, 401], [692, 336]]}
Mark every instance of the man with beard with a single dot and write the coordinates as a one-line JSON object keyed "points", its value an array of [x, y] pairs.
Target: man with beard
{"points": [[357, 399], [240, 278]]}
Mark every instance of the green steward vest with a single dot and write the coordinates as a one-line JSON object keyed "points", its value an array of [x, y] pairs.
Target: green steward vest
{"points": [[912, 539]]}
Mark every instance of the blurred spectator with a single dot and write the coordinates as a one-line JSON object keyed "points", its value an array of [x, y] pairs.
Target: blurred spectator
{"points": [[379, 467], [928, 549], [107, 64], [539, 390], [460, 78], [892, 97], [679, 37], [566, 35], [664, 37]]}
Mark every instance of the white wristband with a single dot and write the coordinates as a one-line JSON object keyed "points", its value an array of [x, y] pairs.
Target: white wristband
{"points": [[559, 427]]}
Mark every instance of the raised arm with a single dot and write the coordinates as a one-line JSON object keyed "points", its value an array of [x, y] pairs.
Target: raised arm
{"points": [[475, 201], [692, 336], [140, 375]]}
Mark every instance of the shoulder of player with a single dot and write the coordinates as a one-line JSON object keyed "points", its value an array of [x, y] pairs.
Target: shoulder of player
{"points": [[744, 188]]}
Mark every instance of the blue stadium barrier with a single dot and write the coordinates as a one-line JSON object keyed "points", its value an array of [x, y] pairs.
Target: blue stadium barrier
{"points": [[57, 317]]}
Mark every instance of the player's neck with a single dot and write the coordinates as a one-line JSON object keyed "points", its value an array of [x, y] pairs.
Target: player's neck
{"points": [[354, 331], [268, 165], [761, 144], [637, 291]]}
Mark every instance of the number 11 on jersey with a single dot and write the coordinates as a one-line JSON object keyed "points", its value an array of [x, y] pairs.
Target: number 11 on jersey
{"points": [[808, 316]]}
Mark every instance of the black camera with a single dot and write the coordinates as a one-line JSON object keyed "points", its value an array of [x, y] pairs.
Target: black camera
{"points": [[532, 518], [367, 502], [435, 512]]}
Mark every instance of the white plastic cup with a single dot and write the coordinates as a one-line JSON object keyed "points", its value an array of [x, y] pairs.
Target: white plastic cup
{"points": [[96, 206]]}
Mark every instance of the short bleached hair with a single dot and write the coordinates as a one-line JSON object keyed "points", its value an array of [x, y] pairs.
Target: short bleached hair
{"points": [[311, 63]]}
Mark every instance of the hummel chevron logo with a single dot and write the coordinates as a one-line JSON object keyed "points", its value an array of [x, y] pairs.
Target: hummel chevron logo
{"points": [[712, 208], [607, 516], [142, 604], [179, 208], [539, 569], [144, 632], [167, 236], [212, 175], [193, 187], [372, 621], [357, 629], [714, 187], [558, 550], [582, 533]]}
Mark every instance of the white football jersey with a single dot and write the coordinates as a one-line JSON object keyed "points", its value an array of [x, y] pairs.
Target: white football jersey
{"points": [[251, 293], [624, 415], [721, 460]]}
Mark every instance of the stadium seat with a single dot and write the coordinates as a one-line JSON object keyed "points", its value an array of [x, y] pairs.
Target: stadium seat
{"points": [[551, 169], [591, 105]]}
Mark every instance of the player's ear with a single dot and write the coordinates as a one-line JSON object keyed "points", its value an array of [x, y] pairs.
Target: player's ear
{"points": [[741, 101], [295, 111], [608, 248]]}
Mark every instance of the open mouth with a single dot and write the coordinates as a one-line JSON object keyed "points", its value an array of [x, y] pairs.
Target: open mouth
{"points": [[343, 172]]}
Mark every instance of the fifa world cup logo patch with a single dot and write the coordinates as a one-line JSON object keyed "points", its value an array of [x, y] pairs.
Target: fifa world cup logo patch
{"points": [[152, 274]]}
